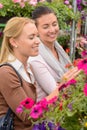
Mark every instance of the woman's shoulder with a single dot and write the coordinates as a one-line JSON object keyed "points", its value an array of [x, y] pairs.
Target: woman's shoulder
{"points": [[38, 58], [4, 69], [7, 72]]}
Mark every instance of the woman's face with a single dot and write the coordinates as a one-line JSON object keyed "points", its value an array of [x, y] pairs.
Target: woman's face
{"points": [[48, 28], [28, 42]]}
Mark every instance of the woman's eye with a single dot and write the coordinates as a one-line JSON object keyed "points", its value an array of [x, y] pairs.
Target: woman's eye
{"points": [[45, 27], [31, 37], [55, 24]]}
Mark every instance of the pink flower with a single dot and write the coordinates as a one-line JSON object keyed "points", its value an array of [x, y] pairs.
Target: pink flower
{"points": [[36, 111], [43, 103], [71, 82], [62, 87], [85, 89], [42, 0], [22, 4], [33, 2], [27, 103], [1, 6], [70, 6], [16, 1], [53, 100], [19, 109], [66, 2], [84, 53], [83, 65]]}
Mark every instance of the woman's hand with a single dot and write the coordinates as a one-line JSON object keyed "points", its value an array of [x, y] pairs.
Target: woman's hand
{"points": [[72, 73]]}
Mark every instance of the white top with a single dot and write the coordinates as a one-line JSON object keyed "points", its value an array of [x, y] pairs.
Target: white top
{"points": [[20, 68], [43, 71]]}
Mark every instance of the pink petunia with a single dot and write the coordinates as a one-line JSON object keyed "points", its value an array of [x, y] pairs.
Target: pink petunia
{"points": [[16, 1], [71, 82], [1, 6], [33, 2], [27, 103], [85, 89], [43, 103], [62, 87], [83, 65], [22, 4], [66, 2], [36, 111], [85, 69], [19, 109], [70, 6], [84, 53], [53, 100], [42, 0]]}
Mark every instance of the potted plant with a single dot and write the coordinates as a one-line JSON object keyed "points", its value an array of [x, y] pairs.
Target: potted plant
{"points": [[68, 111]]}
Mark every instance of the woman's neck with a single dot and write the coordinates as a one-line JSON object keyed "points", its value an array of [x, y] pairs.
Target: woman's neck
{"points": [[50, 45], [22, 59], [53, 49]]}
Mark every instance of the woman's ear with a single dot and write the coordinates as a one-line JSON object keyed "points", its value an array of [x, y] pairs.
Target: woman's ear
{"points": [[13, 42]]}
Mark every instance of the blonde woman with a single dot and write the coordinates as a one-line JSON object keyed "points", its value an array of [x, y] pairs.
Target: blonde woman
{"points": [[20, 41]]}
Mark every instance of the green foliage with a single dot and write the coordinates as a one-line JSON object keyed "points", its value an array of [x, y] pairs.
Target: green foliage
{"points": [[64, 14], [64, 40], [74, 105], [11, 9]]}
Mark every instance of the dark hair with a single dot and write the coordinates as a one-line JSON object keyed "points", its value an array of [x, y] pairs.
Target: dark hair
{"points": [[41, 10]]}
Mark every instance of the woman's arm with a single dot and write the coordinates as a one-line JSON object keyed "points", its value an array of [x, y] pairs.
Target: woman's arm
{"points": [[12, 91], [43, 76]]}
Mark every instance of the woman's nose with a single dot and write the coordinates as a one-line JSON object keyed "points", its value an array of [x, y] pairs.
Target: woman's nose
{"points": [[51, 29], [37, 40]]}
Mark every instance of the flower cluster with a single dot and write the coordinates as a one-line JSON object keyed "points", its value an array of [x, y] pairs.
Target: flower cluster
{"points": [[17, 7], [73, 96], [68, 111], [81, 46], [25, 8], [81, 6], [67, 2], [42, 111]]}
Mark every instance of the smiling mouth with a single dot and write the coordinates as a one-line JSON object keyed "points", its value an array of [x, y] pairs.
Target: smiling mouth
{"points": [[52, 36], [36, 47]]}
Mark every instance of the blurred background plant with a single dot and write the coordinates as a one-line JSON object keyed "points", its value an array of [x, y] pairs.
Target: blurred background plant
{"points": [[64, 41], [24, 8], [13, 8], [81, 6]]}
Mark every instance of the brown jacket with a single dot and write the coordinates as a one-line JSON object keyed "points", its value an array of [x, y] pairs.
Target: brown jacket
{"points": [[12, 93]]}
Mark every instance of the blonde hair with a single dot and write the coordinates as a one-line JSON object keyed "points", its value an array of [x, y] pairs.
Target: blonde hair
{"points": [[12, 29]]}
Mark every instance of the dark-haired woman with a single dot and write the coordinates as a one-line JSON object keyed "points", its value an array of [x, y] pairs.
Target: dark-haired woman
{"points": [[49, 66]]}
